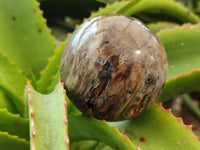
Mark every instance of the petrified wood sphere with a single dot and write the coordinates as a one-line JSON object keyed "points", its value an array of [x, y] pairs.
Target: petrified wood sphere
{"points": [[113, 67]]}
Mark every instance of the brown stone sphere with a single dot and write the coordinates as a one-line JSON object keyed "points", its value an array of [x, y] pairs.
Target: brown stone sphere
{"points": [[113, 67]]}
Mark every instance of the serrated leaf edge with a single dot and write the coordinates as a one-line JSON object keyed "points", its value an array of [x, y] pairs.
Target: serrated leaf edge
{"points": [[182, 75], [15, 137], [169, 110], [185, 25], [123, 135], [30, 102], [50, 36], [15, 94]]}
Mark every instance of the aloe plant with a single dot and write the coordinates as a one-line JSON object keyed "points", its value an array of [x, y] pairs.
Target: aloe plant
{"points": [[35, 112]]}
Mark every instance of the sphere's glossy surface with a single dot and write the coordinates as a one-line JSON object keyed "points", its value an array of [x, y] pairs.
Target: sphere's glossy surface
{"points": [[113, 67]]}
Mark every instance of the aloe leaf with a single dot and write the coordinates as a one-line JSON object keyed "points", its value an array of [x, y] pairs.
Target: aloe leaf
{"points": [[134, 7], [53, 66], [112, 8], [24, 36], [8, 142], [12, 81], [14, 124], [148, 131], [84, 145], [48, 121], [182, 47], [102, 146], [54, 82], [159, 26], [169, 7], [5, 103], [93, 129], [71, 108], [159, 129]]}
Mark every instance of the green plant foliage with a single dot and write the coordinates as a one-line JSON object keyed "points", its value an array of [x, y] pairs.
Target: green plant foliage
{"points": [[182, 47], [134, 7], [168, 7], [93, 129], [8, 142], [158, 129], [47, 119], [9, 74], [48, 74], [24, 36], [110, 8], [159, 26], [151, 129], [13, 124], [144, 131], [5, 103], [173, 87], [84, 145]]}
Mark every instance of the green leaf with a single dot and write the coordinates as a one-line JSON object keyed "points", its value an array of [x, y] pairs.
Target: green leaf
{"points": [[24, 36], [157, 129], [14, 124], [6, 103], [48, 121], [111, 8], [55, 79], [151, 129], [168, 7], [135, 7], [154, 129], [8, 142], [12, 81], [159, 26], [182, 47], [71, 108], [53, 66], [84, 145], [93, 129]]}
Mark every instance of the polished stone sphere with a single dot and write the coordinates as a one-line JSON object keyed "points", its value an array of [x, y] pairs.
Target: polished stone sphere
{"points": [[113, 67]]}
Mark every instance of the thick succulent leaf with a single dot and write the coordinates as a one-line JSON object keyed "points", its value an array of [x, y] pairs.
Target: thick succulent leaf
{"points": [[53, 66], [157, 129], [24, 36], [12, 81], [8, 142], [6, 103], [148, 131], [159, 26], [134, 7], [48, 121], [102, 146], [182, 47], [14, 124], [84, 145], [71, 108], [54, 82], [168, 7], [93, 129], [113, 8]]}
